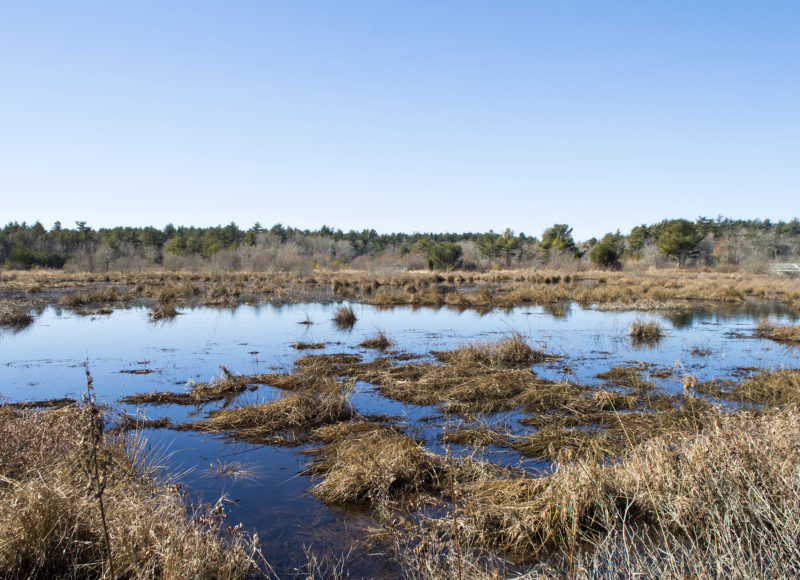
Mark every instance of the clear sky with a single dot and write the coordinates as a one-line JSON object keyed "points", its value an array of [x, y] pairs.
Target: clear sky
{"points": [[399, 116]]}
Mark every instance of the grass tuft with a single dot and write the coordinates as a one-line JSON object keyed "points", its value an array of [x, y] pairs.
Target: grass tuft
{"points": [[510, 352], [284, 419], [380, 341], [345, 317], [788, 333], [13, 316], [646, 332], [308, 345]]}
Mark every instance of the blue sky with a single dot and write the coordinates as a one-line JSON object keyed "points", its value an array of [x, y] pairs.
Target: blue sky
{"points": [[399, 116]]}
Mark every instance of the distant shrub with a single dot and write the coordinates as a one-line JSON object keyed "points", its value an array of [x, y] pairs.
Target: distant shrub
{"points": [[608, 251]]}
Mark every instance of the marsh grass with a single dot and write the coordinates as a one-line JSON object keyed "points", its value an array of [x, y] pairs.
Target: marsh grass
{"points": [[345, 317], [380, 342], [700, 351], [509, 352], [609, 434], [307, 345], [13, 315], [163, 310], [460, 385], [284, 419], [478, 435], [125, 422], [44, 404], [643, 291], [461, 388], [629, 377], [136, 371], [785, 333], [699, 494], [51, 527], [779, 388], [363, 463], [105, 295], [226, 387], [645, 332]]}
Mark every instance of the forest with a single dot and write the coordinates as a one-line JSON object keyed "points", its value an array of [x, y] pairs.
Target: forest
{"points": [[721, 243]]}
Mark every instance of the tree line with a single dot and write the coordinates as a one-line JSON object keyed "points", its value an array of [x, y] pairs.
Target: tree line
{"points": [[702, 241]]}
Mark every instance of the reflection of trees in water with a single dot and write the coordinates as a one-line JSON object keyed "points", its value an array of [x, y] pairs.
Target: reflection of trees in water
{"points": [[681, 319], [558, 310]]}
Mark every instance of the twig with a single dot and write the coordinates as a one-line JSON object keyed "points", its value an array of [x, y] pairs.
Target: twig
{"points": [[96, 434]]}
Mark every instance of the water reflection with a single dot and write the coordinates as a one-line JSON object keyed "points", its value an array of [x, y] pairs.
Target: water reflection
{"points": [[44, 361]]}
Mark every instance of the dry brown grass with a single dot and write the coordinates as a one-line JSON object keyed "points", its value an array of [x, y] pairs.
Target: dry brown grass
{"points": [[775, 388], [105, 295], [380, 341], [609, 433], [479, 435], [629, 377], [672, 507], [366, 463], [457, 389], [646, 332], [284, 419], [227, 387], [51, 527], [163, 310], [125, 422], [14, 315], [785, 333], [510, 352], [44, 404], [345, 317], [652, 290], [308, 345]]}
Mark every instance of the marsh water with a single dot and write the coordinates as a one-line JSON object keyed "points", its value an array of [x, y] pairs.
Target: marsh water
{"points": [[46, 361]]}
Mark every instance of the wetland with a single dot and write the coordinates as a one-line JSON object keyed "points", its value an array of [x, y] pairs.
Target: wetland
{"points": [[424, 426]]}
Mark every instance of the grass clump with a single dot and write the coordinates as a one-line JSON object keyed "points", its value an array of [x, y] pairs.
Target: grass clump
{"points": [[786, 333], [629, 377], [479, 435], [45, 404], [307, 345], [368, 463], [608, 434], [163, 310], [457, 388], [13, 316], [721, 503], [510, 352], [380, 341], [226, 387], [646, 332], [778, 388], [345, 317], [125, 422], [51, 527], [284, 419], [106, 295]]}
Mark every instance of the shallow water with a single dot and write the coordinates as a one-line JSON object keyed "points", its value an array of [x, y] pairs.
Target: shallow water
{"points": [[45, 361]]}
